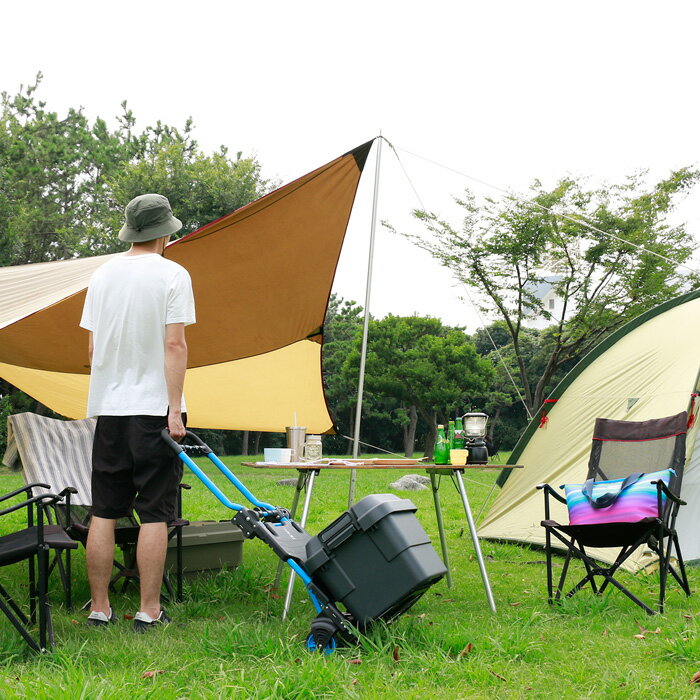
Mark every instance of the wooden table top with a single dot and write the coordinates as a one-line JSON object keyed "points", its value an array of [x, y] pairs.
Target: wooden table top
{"points": [[376, 464]]}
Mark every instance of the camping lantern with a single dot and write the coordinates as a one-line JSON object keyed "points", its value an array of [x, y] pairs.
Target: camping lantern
{"points": [[474, 433]]}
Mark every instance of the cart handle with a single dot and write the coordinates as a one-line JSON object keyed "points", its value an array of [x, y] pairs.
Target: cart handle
{"points": [[177, 447], [180, 450]]}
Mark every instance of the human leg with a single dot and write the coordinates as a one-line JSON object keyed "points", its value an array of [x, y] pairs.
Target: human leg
{"points": [[100, 556], [157, 474], [150, 556]]}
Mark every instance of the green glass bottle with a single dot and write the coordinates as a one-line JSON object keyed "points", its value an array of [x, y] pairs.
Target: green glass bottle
{"points": [[451, 438], [441, 453]]}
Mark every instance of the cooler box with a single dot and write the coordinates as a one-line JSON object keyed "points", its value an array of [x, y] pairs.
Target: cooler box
{"points": [[375, 559], [207, 545]]}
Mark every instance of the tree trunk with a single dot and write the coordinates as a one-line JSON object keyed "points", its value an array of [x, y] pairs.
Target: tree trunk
{"points": [[409, 433], [351, 423], [431, 435], [494, 420], [244, 448], [256, 450]]}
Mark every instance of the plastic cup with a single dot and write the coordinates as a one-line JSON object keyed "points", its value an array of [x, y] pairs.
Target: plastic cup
{"points": [[458, 457]]}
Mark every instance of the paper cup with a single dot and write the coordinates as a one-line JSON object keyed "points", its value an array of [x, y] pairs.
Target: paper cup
{"points": [[458, 457], [278, 455]]}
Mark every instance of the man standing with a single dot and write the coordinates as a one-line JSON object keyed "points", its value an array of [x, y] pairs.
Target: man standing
{"points": [[136, 309]]}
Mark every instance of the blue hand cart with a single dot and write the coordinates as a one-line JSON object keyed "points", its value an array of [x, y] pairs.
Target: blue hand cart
{"points": [[371, 563]]}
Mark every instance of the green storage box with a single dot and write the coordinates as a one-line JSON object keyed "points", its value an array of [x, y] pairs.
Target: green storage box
{"points": [[207, 545]]}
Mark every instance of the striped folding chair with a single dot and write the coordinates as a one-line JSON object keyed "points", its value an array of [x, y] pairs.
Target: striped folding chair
{"points": [[59, 453]]}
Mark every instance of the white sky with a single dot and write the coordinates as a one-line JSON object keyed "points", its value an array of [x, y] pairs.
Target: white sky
{"points": [[505, 91]]}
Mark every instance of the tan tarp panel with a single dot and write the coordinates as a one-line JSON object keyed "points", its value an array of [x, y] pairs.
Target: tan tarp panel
{"points": [[649, 372], [262, 278]]}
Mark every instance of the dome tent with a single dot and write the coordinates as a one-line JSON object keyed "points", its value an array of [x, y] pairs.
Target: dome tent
{"points": [[647, 369]]}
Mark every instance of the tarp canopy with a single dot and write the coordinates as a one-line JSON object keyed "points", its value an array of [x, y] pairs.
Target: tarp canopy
{"points": [[262, 278], [647, 369]]}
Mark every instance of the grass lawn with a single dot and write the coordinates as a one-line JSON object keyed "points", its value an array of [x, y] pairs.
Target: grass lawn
{"points": [[228, 640]]}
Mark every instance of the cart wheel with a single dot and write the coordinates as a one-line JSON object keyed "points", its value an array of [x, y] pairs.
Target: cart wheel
{"points": [[328, 646]]}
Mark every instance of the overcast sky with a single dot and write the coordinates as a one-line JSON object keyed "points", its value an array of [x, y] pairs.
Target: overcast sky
{"points": [[502, 91]]}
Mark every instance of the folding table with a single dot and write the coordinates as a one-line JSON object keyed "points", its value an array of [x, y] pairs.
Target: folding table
{"points": [[309, 470]]}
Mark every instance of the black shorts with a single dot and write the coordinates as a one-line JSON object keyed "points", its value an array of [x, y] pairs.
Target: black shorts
{"points": [[133, 469]]}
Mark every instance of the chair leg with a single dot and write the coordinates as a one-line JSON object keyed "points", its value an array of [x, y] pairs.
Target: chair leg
{"points": [[69, 582], [64, 573], [31, 563], [18, 625], [562, 578], [548, 554], [178, 554], [15, 608], [590, 572], [44, 609]]}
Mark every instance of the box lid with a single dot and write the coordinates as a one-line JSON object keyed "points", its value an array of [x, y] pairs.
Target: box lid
{"points": [[368, 511], [209, 532]]}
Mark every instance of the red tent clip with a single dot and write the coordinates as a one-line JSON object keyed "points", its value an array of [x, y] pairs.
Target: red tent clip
{"points": [[691, 417], [544, 419]]}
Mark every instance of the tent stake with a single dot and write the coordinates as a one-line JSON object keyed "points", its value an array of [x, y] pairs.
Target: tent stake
{"points": [[363, 354]]}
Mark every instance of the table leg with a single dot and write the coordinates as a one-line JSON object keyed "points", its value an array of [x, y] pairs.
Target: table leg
{"points": [[475, 538], [301, 480], [302, 522], [441, 528]]}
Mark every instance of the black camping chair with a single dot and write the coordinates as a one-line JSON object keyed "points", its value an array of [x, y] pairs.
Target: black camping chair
{"points": [[621, 448], [32, 544], [75, 520]]}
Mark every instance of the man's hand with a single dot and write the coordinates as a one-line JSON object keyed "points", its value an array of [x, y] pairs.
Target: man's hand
{"points": [[175, 365], [175, 426]]}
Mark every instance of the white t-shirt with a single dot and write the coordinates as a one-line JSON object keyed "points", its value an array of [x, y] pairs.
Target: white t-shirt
{"points": [[129, 301]]}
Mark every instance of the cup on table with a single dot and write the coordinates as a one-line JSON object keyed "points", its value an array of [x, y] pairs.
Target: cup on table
{"points": [[277, 455], [296, 436], [458, 457]]}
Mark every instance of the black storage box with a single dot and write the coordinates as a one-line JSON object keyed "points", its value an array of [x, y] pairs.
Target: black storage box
{"points": [[375, 559]]}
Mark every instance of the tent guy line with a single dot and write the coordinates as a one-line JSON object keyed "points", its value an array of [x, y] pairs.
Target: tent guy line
{"points": [[535, 205], [466, 291]]}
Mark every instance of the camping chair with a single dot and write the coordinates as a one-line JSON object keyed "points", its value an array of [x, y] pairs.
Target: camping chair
{"points": [[31, 544], [621, 448], [59, 453]]}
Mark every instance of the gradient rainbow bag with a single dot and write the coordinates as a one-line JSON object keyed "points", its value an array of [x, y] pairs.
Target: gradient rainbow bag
{"points": [[616, 501]]}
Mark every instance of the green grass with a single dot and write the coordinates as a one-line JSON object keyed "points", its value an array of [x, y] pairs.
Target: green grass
{"points": [[228, 640]]}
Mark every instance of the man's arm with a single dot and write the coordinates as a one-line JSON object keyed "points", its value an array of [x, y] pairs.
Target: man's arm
{"points": [[175, 366], [91, 347]]}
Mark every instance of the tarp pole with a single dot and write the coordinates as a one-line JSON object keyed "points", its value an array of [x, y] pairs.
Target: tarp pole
{"points": [[363, 354]]}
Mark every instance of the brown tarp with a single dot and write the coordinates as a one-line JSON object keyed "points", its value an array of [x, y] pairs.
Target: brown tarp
{"points": [[262, 278]]}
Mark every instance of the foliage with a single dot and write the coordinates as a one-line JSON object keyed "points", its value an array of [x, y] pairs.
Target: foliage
{"points": [[609, 253], [421, 364], [64, 181], [228, 638], [342, 326]]}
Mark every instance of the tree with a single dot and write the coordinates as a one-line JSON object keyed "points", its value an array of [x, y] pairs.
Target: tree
{"points": [[64, 181], [342, 325], [429, 369], [628, 262]]}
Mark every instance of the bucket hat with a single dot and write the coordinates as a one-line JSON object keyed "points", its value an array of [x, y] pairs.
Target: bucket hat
{"points": [[148, 217]]}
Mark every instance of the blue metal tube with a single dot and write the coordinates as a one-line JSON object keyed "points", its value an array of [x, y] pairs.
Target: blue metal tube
{"points": [[237, 482], [209, 483], [307, 580]]}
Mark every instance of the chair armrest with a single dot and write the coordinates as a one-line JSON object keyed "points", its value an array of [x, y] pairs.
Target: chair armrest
{"points": [[52, 497], [550, 491], [669, 494], [28, 488]]}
